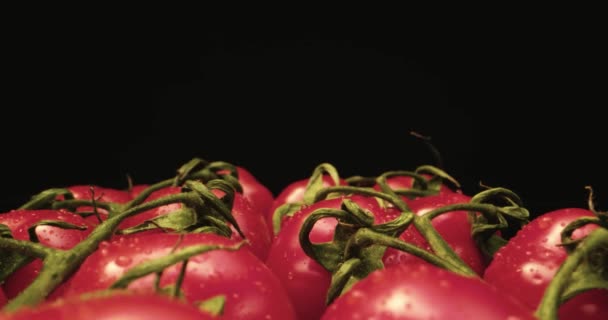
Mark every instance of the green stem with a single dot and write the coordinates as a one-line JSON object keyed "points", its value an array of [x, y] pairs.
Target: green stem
{"points": [[144, 194], [382, 179], [340, 278], [154, 266], [26, 247], [68, 204], [304, 236], [366, 237], [59, 265], [549, 305], [315, 182], [438, 244], [395, 200]]}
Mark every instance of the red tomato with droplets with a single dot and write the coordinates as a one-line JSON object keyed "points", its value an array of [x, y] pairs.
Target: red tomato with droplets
{"points": [[256, 192], [454, 227], [524, 267], [118, 305], [251, 290], [18, 221], [305, 280], [101, 194], [152, 213], [423, 291], [249, 220], [294, 193], [251, 223]]}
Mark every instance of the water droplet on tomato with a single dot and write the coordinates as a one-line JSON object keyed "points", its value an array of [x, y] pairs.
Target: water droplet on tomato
{"points": [[544, 223], [123, 261], [589, 309], [290, 275]]}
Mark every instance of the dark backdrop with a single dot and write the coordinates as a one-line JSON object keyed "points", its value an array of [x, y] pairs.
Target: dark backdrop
{"points": [[512, 110]]}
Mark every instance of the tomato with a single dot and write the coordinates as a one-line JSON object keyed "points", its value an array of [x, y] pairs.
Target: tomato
{"points": [[2, 298], [406, 182], [252, 291], [526, 264], [258, 194], [137, 189], [102, 194], [18, 221], [294, 193], [152, 213], [305, 280], [112, 306], [423, 291], [252, 224], [249, 220], [454, 227]]}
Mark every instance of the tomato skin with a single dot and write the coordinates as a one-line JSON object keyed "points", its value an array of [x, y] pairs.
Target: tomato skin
{"points": [[250, 221], [18, 221], [152, 213], [423, 291], [102, 194], [407, 182], [454, 227], [115, 306], [137, 189], [305, 280], [253, 225], [258, 194], [2, 298], [252, 291], [524, 267]]}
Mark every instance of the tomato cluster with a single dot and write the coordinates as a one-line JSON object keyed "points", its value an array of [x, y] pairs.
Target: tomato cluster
{"points": [[213, 242]]}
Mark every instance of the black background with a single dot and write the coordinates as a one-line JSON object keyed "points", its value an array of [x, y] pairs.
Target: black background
{"points": [[518, 110]]}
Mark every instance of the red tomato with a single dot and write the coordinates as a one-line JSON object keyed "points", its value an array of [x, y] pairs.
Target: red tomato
{"points": [[137, 189], [18, 221], [526, 264], [252, 291], [2, 298], [251, 222], [294, 193], [305, 280], [454, 227], [109, 307], [407, 182], [101, 194], [258, 194], [158, 211], [422, 291]]}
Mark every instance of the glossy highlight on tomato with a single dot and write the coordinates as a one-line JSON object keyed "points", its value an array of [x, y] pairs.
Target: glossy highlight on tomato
{"points": [[112, 306], [305, 280], [454, 227], [19, 221], [524, 267], [252, 291], [422, 291]]}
